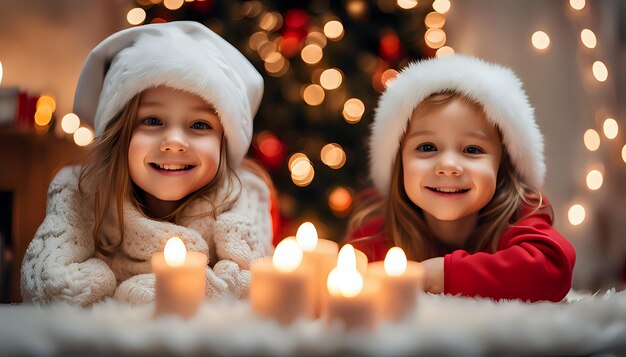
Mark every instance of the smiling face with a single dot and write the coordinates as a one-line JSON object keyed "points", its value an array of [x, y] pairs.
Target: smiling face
{"points": [[450, 160], [175, 147]]}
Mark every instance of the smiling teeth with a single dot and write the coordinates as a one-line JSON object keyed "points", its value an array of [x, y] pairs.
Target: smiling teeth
{"points": [[172, 167], [450, 190]]}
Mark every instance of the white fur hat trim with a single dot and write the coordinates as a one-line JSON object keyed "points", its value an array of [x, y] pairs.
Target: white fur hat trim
{"points": [[183, 55], [496, 88]]}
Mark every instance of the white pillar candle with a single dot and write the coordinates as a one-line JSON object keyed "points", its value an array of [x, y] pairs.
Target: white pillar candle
{"points": [[319, 257], [349, 300], [180, 282], [279, 288], [398, 282]]}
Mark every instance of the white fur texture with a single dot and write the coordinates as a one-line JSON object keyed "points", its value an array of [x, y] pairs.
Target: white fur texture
{"points": [[442, 325], [184, 55], [61, 264], [496, 88]]}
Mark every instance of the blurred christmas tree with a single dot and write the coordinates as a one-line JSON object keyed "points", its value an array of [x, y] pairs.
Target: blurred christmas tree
{"points": [[324, 63]]}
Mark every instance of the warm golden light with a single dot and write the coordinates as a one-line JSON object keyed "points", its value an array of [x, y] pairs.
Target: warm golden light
{"points": [[435, 38], [302, 171], [46, 101], [311, 54], [444, 51], [388, 76], [83, 136], [588, 38], [333, 155], [344, 280], [331, 78], [592, 140], [313, 95], [340, 200], [316, 37], [353, 110], [43, 115], [136, 16], [540, 40], [610, 128], [441, 6], [287, 255], [624, 153], [175, 252], [306, 236], [600, 72], [70, 123], [594, 180], [333, 30], [257, 39], [295, 158], [173, 4], [276, 65], [577, 4], [271, 21], [435, 20], [576, 214], [395, 262], [407, 4], [1, 72]]}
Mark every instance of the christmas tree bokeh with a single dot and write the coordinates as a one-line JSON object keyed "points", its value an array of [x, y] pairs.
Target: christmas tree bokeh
{"points": [[324, 63]]}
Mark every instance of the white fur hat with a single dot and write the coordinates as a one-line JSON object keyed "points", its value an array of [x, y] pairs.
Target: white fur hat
{"points": [[496, 88], [184, 55]]}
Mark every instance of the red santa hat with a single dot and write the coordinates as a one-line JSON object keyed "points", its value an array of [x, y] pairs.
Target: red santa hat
{"points": [[497, 89], [183, 55]]}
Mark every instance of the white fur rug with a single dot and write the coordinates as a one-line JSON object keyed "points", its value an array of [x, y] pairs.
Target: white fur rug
{"points": [[443, 325]]}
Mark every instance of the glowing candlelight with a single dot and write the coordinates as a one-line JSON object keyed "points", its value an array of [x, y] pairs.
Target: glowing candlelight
{"points": [[349, 300], [319, 257], [280, 287], [180, 281], [398, 282]]}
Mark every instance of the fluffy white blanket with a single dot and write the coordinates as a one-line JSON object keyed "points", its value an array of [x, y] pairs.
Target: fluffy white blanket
{"points": [[443, 325]]}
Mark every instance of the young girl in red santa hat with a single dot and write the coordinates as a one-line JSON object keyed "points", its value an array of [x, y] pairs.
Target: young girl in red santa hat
{"points": [[457, 159], [172, 106]]}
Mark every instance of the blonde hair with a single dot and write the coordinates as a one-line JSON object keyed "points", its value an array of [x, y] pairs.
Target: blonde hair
{"points": [[406, 226], [108, 157]]}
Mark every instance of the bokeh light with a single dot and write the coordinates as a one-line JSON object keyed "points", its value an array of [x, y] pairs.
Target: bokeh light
{"points": [[441, 6], [407, 4], [592, 140], [444, 51], [333, 155], [173, 4], [576, 214], [340, 200], [594, 180], [435, 20], [610, 128], [136, 16], [353, 110], [577, 4], [333, 30], [83, 136], [70, 123], [331, 78], [540, 40], [600, 72], [435, 38], [311, 54], [313, 95], [588, 38]]}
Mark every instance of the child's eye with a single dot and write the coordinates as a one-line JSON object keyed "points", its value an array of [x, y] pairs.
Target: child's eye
{"points": [[151, 121], [426, 147], [200, 125], [474, 150]]}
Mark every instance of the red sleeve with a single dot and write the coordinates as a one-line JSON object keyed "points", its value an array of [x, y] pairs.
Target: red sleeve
{"points": [[533, 262]]}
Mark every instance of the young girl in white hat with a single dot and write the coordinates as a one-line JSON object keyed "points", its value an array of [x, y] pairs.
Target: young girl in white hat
{"points": [[172, 106], [457, 159]]}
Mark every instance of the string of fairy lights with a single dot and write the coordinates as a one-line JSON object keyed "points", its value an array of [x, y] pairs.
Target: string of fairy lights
{"points": [[589, 62]]}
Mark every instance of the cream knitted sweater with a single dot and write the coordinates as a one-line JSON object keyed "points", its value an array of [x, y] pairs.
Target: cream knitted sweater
{"points": [[61, 263]]}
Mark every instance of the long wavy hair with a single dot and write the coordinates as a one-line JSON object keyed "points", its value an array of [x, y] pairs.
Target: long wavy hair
{"points": [[108, 157], [406, 226]]}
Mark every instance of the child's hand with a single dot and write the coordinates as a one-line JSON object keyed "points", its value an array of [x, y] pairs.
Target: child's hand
{"points": [[433, 275]]}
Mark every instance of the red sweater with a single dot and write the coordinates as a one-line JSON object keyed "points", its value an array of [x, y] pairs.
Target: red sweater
{"points": [[533, 261]]}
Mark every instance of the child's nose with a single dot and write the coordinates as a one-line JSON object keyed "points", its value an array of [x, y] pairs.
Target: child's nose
{"points": [[449, 166], [174, 141]]}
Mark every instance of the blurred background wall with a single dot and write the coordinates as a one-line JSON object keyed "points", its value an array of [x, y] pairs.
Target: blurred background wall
{"points": [[43, 44]]}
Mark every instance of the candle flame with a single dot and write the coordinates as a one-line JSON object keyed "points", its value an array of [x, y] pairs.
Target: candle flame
{"points": [[395, 262], [287, 256], [175, 252], [307, 236], [344, 279]]}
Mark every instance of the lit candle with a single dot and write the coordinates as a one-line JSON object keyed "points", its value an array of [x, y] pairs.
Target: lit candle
{"points": [[319, 257], [180, 281], [279, 288], [349, 299], [398, 282]]}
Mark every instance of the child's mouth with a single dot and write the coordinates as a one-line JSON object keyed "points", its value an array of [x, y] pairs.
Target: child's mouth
{"points": [[171, 167], [448, 190]]}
